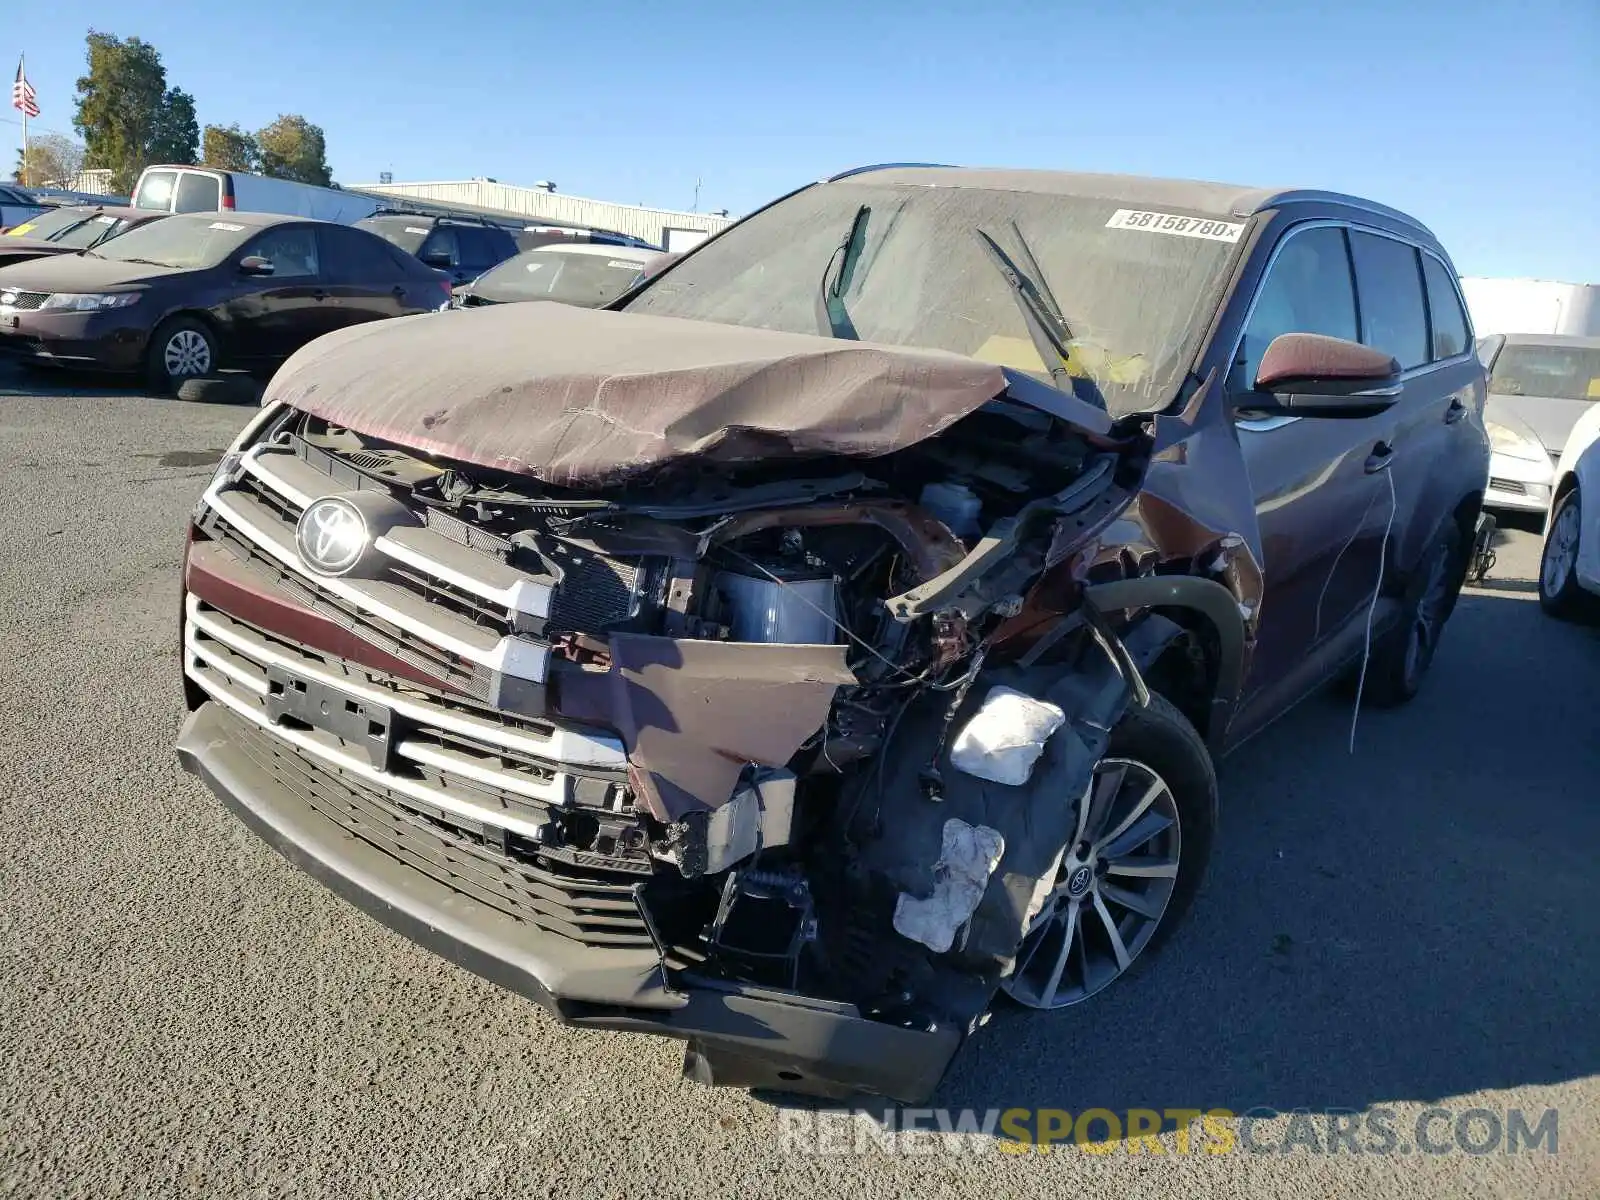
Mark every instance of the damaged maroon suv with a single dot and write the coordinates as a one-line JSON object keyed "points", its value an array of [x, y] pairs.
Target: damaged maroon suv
{"points": [[840, 630]]}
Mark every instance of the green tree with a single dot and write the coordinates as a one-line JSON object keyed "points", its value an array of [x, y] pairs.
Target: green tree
{"points": [[293, 148], [127, 115], [230, 148], [52, 160]]}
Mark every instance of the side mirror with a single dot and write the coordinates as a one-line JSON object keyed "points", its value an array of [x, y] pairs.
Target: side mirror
{"points": [[1312, 375], [254, 264], [437, 258]]}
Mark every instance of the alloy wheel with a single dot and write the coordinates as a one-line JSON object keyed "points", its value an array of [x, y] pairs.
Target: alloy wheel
{"points": [[187, 353], [1560, 550], [1111, 890]]}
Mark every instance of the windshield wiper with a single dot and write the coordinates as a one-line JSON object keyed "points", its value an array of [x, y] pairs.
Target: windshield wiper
{"points": [[832, 319], [1046, 326], [146, 262]]}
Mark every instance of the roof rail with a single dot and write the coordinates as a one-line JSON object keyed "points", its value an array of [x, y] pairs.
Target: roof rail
{"points": [[1319, 196]]}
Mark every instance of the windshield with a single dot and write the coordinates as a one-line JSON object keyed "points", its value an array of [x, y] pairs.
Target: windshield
{"points": [[1135, 301], [1560, 372], [192, 241], [48, 223], [568, 275], [86, 233], [397, 231]]}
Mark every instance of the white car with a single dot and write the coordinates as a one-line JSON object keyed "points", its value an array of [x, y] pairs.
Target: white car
{"points": [[1569, 568]]}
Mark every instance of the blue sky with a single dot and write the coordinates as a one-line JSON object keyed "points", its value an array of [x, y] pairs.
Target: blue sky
{"points": [[1481, 119]]}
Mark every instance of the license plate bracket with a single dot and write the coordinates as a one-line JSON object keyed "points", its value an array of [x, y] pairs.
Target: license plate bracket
{"points": [[294, 700]]}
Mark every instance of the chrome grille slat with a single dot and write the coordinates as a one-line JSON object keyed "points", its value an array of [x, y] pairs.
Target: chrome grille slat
{"points": [[561, 746]]}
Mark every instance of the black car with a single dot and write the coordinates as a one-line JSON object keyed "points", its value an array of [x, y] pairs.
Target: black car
{"points": [[179, 297], [463, 249], [69, 230]]}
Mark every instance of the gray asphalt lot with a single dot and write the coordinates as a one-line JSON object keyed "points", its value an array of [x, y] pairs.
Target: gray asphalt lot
{"points": [[185, 1014]]}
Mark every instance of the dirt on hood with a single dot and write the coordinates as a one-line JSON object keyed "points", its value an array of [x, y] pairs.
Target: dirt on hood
{"points": [[584, 398]]}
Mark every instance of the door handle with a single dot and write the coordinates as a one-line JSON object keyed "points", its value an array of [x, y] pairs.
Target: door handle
{"points": [[1455, 412], [1380, 458]]}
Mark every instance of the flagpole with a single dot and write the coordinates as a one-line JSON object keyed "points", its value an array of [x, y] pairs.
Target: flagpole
{"points": [[22, 70]]}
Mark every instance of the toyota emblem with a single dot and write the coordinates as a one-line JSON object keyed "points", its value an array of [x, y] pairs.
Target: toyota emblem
{"points": [[331, 536]]}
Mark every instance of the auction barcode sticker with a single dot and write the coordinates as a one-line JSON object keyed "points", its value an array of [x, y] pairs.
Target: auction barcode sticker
{"points": [[1158, 222]]}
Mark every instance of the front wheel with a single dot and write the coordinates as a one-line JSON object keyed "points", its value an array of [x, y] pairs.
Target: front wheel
{"points": [[181, 348], [1145, 826], [1560, 594]]}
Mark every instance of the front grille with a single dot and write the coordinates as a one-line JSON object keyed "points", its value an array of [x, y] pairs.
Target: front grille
{"points": [[1511, 486], [437, 663], [592, 908], [28, 301], [431, 588]]}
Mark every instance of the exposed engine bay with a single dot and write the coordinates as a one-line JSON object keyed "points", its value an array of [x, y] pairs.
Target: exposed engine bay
{"points": [[826, 604], [789, 662]]}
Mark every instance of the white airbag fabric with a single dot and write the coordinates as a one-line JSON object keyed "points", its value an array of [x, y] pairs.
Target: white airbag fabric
{"points": [[1005, 737]]}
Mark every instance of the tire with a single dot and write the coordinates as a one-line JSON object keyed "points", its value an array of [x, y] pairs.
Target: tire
{"points": [[1154, 745], [1401, 657], [1560, 594], [219, 389], [181, 348]]}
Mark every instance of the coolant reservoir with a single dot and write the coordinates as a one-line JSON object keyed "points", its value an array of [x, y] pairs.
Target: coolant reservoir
{"points": [[955, 504]]}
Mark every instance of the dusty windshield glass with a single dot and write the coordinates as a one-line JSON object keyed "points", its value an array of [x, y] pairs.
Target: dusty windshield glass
{"points": [[1561, 372], [1135, 301], [397, 231], [197, 241], [570, 276]]}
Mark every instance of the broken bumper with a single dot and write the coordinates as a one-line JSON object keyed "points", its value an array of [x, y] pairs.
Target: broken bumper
{"points": [[736, 1035]]}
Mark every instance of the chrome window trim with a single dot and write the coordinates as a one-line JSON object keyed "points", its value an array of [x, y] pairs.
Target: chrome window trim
{"points": [[1278, 421]]}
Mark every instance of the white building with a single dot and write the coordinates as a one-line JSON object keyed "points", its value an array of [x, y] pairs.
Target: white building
{"points": [[658, 226], [1532, 306]]}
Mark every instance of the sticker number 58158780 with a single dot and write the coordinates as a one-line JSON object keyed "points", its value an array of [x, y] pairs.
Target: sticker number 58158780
{"points": [[1157, 222]]}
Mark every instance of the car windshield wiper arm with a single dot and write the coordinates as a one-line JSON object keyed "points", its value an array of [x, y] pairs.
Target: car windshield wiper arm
{"points": [[1039, 312], [832, 319]]}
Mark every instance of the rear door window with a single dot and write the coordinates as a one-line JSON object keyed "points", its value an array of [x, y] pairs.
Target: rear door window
{"points": [[479, 248], [350, 256], [1307, 290], [1394, 313], [198, 193], [1447, 318]]}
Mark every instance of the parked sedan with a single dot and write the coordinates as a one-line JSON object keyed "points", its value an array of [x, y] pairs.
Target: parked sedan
{"points": [[1569, 569], [588, 276], [1539, 386], [68, 231], [178, 297]]}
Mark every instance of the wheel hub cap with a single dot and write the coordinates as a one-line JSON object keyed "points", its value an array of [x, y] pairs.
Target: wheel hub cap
{"points": [[1110, 892], [186, 353]]}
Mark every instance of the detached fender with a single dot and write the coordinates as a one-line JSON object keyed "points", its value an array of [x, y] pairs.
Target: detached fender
{"points": [[1210, 599]]}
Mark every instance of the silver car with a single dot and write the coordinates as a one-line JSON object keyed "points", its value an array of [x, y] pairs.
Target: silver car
{"points": [[1539, 386]]}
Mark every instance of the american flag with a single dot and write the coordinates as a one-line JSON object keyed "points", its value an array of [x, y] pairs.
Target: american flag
{"points": [[22, 94]]}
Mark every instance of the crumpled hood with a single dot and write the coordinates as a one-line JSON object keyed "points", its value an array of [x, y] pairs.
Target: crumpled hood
{"points": [[580, 397]]}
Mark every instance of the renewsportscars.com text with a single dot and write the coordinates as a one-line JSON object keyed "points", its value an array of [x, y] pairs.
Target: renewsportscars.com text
{"points": [[1216, 1131]]}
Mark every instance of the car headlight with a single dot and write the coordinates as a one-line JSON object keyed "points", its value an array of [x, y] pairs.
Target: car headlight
{"points": [[88, 301], [1504, 440]]}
